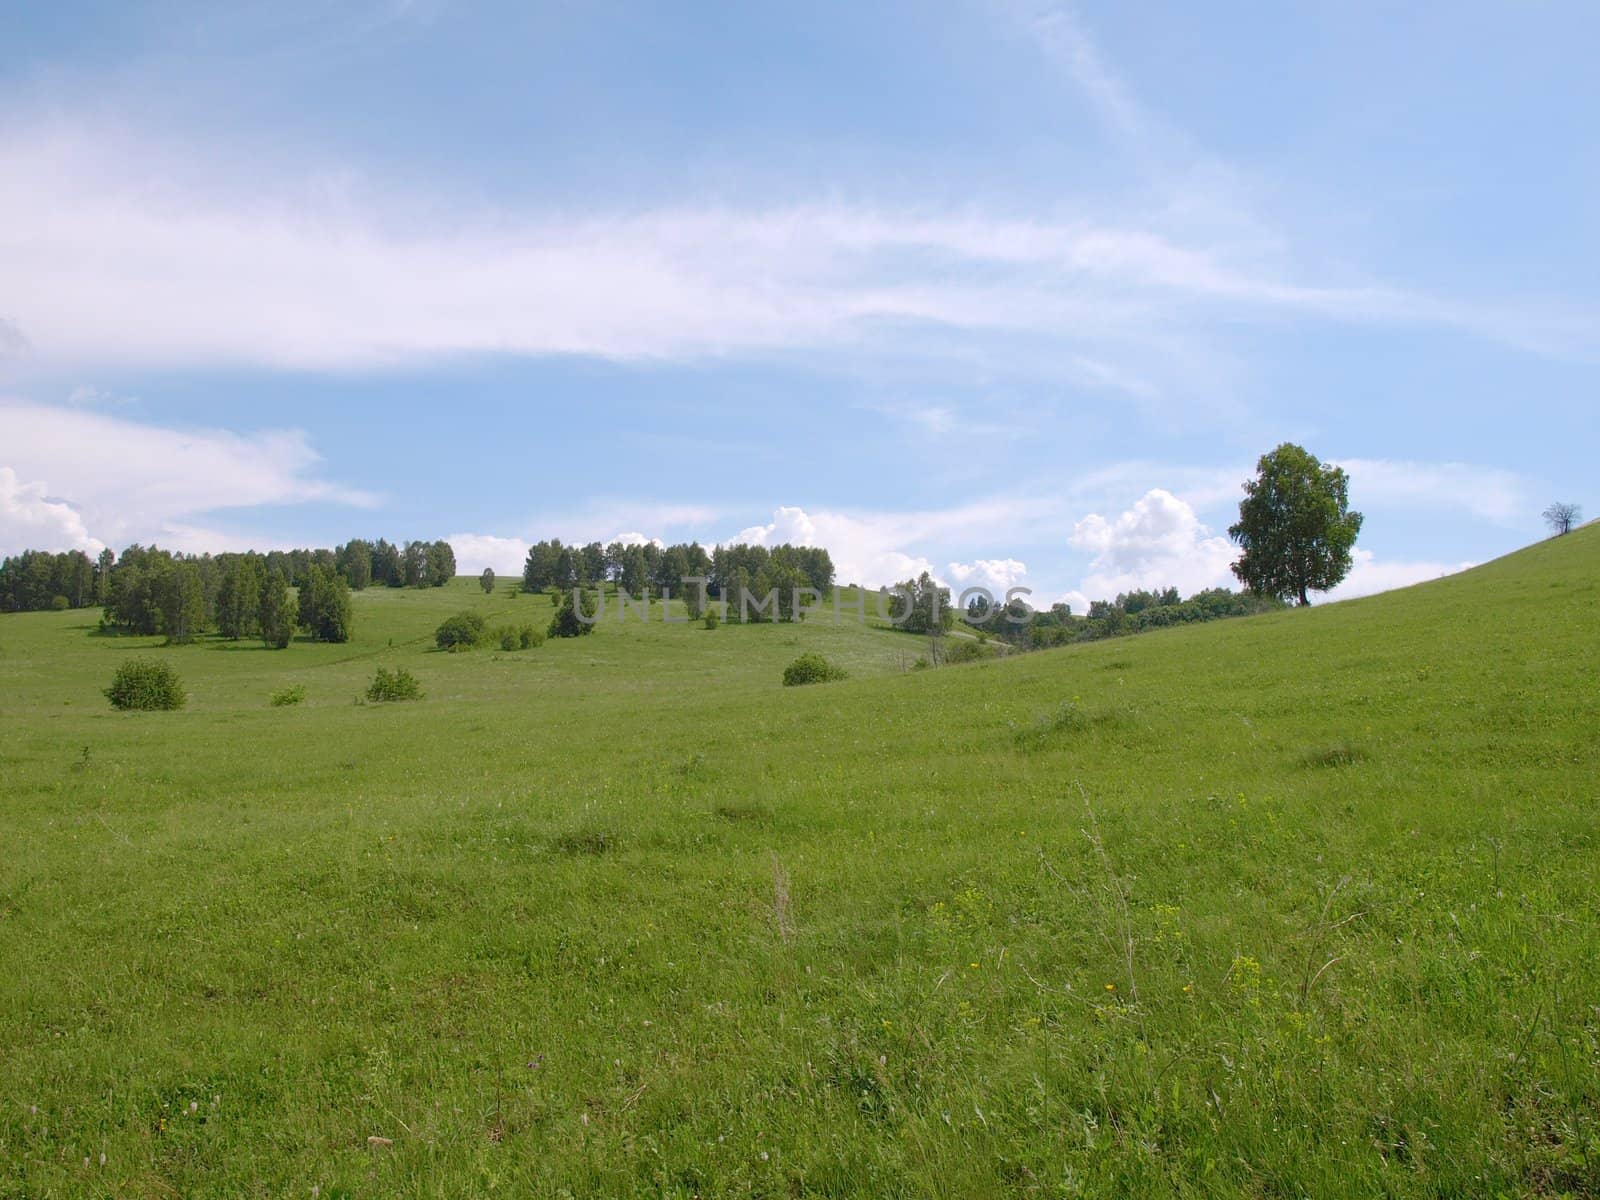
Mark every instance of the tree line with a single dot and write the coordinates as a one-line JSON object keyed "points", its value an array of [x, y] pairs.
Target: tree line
{"points": [[1130, 612], [37, 580], [153, 591], [150, 591], [663, 570]]}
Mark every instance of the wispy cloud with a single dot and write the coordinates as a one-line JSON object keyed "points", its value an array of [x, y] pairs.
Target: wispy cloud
{"points": [[125, 252], [1205, 195], [1490, 493], [944, 420], [1370, 575]]}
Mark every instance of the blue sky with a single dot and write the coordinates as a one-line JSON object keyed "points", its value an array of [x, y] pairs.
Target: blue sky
{"points": [[1015, 292]]}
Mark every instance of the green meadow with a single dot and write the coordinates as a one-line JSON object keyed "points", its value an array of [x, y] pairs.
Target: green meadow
{"points": [[1301, 904]]}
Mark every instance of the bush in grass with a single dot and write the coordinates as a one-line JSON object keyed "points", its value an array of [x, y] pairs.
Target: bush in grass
{"points": [[575, 622], [60, 603], [811, 667], [460, 632], [530, 636], [293, 694], [509, 638], [712, 620], [398, 684], [962, 651], [146, 684]]}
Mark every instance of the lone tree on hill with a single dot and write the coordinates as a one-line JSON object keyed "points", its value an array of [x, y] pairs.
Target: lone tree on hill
{"points": [[1562, 517], [1295, 526], [486, 581]]}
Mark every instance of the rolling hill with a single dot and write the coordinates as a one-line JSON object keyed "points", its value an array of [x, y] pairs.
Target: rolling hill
{"points": [[1296, 904]]}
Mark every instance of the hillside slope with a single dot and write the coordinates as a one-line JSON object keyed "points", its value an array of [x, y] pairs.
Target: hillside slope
{"points": [[1301, 903]]}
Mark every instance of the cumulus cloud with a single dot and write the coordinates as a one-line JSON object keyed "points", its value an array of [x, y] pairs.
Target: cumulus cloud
{"points": [[880, 548], [1158, 542], [128, 480], [475, 551], [998, 575], [869, 549], [788, 525], [30, 520], [634, 538]]}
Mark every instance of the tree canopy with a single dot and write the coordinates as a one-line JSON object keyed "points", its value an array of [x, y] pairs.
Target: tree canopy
{"points": [[1295, 526]]}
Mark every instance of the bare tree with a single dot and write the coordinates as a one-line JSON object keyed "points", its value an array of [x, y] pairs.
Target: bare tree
{"points": [[1562, 517]]}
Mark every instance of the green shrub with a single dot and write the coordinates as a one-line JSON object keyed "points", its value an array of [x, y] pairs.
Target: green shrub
{"points": [[510, 639], [60, 603], [711, 619], [295, 693], [811, 667], [398, 684], [146, 684], [460, 632], [575, 622], [530, 636], [962, 651]]}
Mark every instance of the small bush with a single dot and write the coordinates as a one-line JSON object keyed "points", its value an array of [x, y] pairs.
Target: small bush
{"points": [[963, 651], [575, 622], [711, 619], [509, 638], [60, 603], [530, 636], [398, 684], [293, 694], [811, 667], [460, 632], [146, 685]]}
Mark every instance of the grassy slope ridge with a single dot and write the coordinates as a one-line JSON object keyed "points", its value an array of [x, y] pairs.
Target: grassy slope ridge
{"points": [[621, 915]]}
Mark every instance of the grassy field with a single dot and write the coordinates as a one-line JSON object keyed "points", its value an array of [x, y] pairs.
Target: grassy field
{"points": [[1301, 904]]}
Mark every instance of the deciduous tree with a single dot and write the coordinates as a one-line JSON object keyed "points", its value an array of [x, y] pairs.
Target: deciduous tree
{"points": [[1295, 526], [1562, 517]]}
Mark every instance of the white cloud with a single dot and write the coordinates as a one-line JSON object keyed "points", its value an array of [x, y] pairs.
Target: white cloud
{"points": [[128, 480], [121, 250], [880, 548], [788, 525], [945, 420], [89, 396], [1369, 576], [475, 551], [634, 538], [1158, 542], [866, 549], [998, 575], [1489, 493], [30, 520]]}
